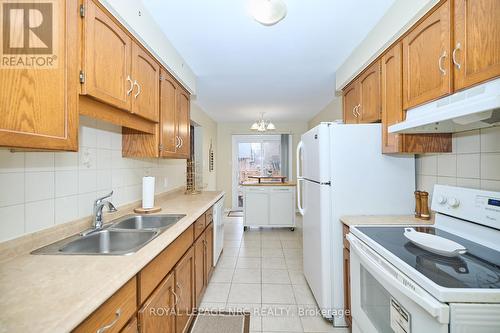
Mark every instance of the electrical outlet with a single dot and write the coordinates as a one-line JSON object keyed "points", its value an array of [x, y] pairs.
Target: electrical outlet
{"points": [[165, 182]]}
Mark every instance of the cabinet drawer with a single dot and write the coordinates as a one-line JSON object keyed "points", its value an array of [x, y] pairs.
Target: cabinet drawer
{"points": [[151, 275], [209, 216], [199, 226], [345, 231], [114, 313]]}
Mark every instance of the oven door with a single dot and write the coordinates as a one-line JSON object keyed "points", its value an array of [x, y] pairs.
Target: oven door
{"points": [[385, 300]]}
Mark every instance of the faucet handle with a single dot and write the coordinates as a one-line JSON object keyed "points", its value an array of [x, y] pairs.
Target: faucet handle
{"points": [[102, 198]]}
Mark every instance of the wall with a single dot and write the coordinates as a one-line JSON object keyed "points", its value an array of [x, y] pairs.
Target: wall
{"points": [[400, 16], [209, 131], [40, 189], [474, 163], [223, 158], [147, 31], [331, 112]]}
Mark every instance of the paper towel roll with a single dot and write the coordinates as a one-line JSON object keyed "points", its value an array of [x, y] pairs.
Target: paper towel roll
{"points": [[148, 192]]}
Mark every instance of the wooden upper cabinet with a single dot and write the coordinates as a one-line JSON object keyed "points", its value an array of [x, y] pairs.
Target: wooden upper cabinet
{"points": [[39, 106], [392, 99], [477, 41], [184, 289], [107, 59], [427, 59], [146, 76], [184, 124], [351, 103], [392, 113], [168, 115], [164, 299], [369, 110]]}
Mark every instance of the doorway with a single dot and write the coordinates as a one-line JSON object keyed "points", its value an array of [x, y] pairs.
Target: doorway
{"points": [[258, 155]]}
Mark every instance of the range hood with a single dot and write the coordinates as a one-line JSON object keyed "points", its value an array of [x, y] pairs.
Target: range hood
{"points": [[474, 108]]}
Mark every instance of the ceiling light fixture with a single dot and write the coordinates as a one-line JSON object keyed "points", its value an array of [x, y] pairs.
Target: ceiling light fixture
{"points": [[268, 12], [262, 125]]}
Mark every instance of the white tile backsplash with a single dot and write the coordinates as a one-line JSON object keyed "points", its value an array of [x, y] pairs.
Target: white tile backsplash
{"points": [[474, 162], [11, 189], [39, 186], [41, 189]]}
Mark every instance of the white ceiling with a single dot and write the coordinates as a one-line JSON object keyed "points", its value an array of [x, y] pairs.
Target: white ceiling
{"points": [[243, 68]]}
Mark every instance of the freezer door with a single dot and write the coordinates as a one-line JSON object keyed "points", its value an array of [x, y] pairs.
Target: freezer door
{"points": [[317, 242], [316, 154]]}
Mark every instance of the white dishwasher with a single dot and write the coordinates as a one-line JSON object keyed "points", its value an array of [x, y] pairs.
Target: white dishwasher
{"points": [[218, 229]]}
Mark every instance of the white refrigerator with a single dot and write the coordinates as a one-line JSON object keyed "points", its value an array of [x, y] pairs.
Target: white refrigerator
{"points": [[341, 171]]}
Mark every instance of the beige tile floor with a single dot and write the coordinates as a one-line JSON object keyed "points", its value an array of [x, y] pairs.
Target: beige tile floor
{"points": [[260, 271]]}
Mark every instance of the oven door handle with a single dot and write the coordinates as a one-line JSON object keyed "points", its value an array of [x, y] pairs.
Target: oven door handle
{"points": [[376, 264]]}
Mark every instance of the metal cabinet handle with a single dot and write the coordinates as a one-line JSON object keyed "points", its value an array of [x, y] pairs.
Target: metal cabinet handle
{"points": [[176, 297], [138, 88], [357, 111], [454, 55], [440, 63], [129, 91], [177, 142], [181, 142], [179, 286], [103, 329], [354, 111]]}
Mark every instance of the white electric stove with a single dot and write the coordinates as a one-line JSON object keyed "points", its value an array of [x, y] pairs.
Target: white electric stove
{"points": [[398, 286]]}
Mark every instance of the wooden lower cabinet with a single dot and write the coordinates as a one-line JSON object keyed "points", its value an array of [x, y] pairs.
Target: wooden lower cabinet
{"points": [[131, 326], [347, 286], [199, 267], [158, 313], [184, 289], [114, 313], [166, 291], [347, 276], [209, 253]]}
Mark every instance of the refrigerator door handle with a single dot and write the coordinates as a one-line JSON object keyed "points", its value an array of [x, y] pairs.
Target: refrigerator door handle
{"points": [[298, 157], [299, 196]]}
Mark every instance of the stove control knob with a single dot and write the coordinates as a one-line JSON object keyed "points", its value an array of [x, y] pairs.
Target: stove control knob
{"points": [[441, 200], [453, 203]]}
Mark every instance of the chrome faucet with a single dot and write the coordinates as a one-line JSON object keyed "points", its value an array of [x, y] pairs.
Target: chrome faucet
{"points": [[99, 204]]}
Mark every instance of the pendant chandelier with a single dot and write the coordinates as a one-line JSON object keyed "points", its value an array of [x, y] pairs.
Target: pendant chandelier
{"points": [[262, 125]]}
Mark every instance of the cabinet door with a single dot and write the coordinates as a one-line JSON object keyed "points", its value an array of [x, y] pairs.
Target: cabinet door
{"points": [[282, 206], [184, 124], [158, 313], [107, 58], [146, 76], [256, 206], [184, 288], [347, 284], [199, 268], [131, 326], [351, 101], [39, 106], [392, 99], [427, 59], [477, 41], [209, 253], [168, 115], [369, 92]]}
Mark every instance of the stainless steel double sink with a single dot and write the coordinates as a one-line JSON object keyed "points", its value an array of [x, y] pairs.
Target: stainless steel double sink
{"points": [[123, 236]]}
